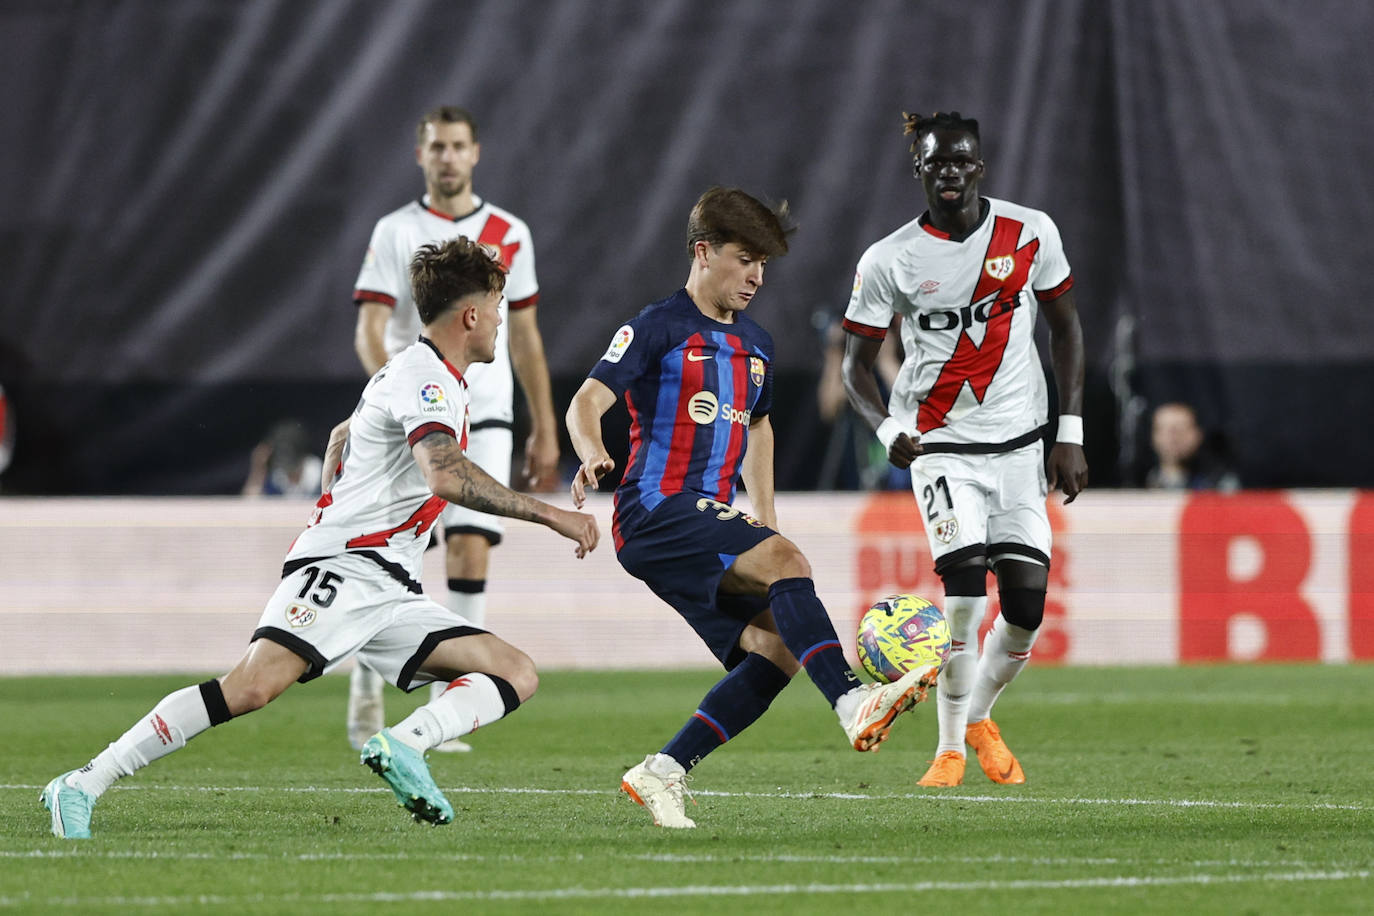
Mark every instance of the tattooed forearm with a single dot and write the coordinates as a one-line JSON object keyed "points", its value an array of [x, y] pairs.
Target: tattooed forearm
{"points": [[454, 476]]}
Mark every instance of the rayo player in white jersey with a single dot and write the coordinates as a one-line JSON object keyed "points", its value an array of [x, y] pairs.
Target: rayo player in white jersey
{"points": [[350, 584], [447, 151], [968, 412]]}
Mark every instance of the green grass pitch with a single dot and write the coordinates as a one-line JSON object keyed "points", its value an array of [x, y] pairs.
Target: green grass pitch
{"points": [[1211, 789]]}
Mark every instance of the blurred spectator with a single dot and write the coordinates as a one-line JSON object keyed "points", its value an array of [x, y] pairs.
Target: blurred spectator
{"points": [[282, 465], [854, 458], [1186, 458]]}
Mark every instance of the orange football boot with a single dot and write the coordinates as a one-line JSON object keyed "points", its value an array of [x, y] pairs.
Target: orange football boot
{"points": [[994, 756], [947, 769]]}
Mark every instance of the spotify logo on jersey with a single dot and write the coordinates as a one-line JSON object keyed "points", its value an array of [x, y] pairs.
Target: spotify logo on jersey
{"points": [[703, 407]]}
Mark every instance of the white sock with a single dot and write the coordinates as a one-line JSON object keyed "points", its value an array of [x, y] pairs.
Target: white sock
{"points": [[848, 702], [965, 614], [1006, 650], [472, 606], [178, 718], [469, 703], [664, 766], [364, 682]]}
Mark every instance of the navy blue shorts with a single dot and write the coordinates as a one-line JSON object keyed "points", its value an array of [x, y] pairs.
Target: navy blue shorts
{"points": [[681, 552]]}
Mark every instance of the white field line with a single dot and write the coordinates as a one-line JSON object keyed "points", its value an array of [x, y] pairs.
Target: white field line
{"points": [[706, 793], [660, 892], [80, 851], [1123, 698]]}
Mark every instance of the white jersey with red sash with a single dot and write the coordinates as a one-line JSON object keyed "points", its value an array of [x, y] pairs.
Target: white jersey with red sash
{"points": [[385, 279], [380, 503], [972, 378]]}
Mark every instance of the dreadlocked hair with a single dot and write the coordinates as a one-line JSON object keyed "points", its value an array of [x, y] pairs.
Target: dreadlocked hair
{"points": [[949, 120]]}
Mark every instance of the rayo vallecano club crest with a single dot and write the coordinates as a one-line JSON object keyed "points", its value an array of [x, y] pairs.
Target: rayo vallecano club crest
{"points": [[947, 530], [1000, 268], [300, 615]]}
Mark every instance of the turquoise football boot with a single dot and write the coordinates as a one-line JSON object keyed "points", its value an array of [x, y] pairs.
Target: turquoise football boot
{"points": [[404, 769], [70, 807]]}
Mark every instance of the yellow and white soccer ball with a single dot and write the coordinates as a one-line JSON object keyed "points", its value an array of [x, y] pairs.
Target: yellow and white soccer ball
{"points": [[901, 633]]}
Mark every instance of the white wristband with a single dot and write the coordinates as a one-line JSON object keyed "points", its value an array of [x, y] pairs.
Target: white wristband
{"points": [[888, 431], [1070, 429]]}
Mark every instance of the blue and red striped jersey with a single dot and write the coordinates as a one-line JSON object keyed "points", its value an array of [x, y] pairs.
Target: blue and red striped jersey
{"points": [[692, 386]]}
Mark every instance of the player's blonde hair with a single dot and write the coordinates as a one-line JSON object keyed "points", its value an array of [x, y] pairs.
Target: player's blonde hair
{"points": [[441, 273]]}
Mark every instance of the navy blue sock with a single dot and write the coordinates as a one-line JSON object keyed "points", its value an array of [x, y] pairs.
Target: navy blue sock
{"points": [[737, 700], [806, 629]]}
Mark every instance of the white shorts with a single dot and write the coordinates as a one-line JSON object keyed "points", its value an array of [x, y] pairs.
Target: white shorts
{"points": [[993, 505], [490, 449], [336, 608]]}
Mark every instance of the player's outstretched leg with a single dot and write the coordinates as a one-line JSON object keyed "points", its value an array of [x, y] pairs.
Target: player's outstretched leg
{"points": [[403, 769], [70, 806], [175, 720], [366, 709], [658, 783], [866, 711]]}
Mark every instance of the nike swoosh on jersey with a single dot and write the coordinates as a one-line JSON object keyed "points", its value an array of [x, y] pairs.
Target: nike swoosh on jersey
{"points": [[696, 358]]}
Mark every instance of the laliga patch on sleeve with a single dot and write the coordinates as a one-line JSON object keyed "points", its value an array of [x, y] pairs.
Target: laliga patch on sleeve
{"points": [[619, 344], [433, 399]]}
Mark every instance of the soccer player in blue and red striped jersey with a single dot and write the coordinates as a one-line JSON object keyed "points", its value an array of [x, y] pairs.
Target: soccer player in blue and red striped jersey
{"points": [[696, 375]]}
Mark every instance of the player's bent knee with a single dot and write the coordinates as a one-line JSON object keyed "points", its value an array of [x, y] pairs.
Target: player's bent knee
{"points": [[766, 563], [520, 673], [790, 562]]}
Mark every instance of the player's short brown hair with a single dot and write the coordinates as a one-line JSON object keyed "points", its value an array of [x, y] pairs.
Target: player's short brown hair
{"points": [[446, 114], [444, 272], [724, 215]]}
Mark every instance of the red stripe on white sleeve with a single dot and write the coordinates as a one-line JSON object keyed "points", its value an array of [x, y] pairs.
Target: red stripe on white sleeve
{"points": [[1045, 295], [371, 295], [525, 303], [864, 330], [421, 431]]}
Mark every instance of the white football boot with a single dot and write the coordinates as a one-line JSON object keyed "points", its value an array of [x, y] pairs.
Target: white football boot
{"points": [[868, 726], [658, 784]]}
